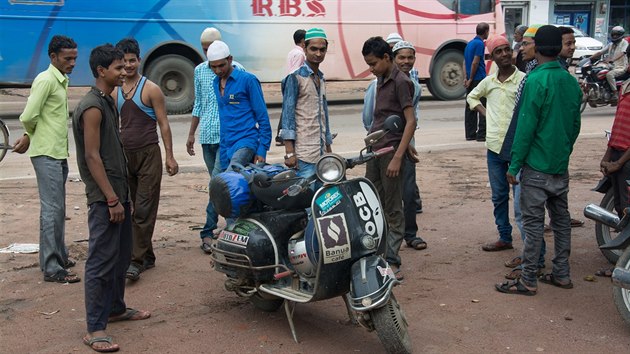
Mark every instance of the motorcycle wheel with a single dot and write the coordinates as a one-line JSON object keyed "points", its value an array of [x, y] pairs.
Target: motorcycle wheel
{"points": [[605, 233], [621, 296], [266, 304], [391, 325]]}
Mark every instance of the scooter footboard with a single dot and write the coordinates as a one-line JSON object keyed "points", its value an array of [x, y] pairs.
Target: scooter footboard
{"points": [[372, 283]]}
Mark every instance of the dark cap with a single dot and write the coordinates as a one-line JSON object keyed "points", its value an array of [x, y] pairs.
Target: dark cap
{"points": [[548, 40]]}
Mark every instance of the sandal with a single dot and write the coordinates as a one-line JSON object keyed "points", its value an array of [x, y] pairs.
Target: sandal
{"points": [[133, 272], [109, 349], [549, 278], [576, 223], [516, 273], [514, 262], [130, 315], [605, 272], [397, 272], [206, 245], [417, 243], [514, 287], [62, 276], [69, 263]]}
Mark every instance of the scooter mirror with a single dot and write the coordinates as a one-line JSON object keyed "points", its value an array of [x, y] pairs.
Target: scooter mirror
{"points": [[393, 124]]}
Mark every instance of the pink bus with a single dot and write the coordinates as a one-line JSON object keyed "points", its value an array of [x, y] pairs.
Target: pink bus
{"points": [[259, 33]]}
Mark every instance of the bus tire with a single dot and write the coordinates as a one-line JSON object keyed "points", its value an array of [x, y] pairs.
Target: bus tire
{"points": [[447, 76], [174, 74]]}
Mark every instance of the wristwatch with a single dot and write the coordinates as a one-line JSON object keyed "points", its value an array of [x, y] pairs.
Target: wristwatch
{"points": [[289, 155]]}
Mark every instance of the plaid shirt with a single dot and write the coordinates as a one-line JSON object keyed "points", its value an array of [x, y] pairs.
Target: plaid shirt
{"points": [[620, 133], [205, 106]]}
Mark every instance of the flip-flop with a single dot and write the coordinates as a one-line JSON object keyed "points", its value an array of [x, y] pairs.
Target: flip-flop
{"points": [[549, 278], [130, 315], [514, 287], [417, 243], [112, 347], [605, 272]]}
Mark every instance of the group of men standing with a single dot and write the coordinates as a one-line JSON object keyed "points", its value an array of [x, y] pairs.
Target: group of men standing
{"points": [[531, 123]]}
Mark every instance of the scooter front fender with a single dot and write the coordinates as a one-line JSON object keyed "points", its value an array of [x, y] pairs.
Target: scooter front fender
{"points": [[372, 283]]}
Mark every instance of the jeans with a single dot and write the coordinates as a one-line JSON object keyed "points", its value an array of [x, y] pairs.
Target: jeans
{"points": [[497, 168], [474, 122], [109, 255], [144, 168], [51, 183], [242, 157], [538, 190], [390, 192], [411, 199], [212, 160]]}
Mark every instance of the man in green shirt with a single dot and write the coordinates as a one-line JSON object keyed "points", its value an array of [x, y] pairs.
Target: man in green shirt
{"points": [[45, 121], [548, 125]]}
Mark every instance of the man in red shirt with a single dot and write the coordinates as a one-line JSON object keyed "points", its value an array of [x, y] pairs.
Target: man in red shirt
{"points": [[615, 161]]}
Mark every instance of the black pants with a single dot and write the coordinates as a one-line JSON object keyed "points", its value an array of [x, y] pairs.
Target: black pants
{"points": [[411, 199], [474, 123]]}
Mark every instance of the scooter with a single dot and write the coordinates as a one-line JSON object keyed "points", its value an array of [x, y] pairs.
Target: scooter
{"points": [[282, 254], [616, 248], [597, 91]]}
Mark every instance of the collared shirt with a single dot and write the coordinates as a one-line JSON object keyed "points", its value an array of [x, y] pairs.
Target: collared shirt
{"points": [[393, 94], [305, 113], [369, 101], [243, 116], [614, 49], [548, 120], [620, 133], [295, 59], [205, 107], [475, 48], [45, 117], [501, 98]]}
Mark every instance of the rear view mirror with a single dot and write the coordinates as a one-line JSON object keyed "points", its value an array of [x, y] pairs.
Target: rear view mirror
{"points": [[393, 124]]}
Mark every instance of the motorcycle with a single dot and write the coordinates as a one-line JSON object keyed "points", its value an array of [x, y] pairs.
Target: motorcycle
{"points": [[303, 245], [592, 79]]}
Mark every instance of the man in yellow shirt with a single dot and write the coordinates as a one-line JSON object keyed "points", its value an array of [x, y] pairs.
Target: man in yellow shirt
{"points": [[45, 121], [500, 91]]}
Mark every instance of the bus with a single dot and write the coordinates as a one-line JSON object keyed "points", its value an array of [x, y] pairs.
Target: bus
{"points": [[259, 33]]}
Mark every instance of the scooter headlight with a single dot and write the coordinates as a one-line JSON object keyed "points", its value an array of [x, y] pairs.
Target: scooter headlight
{"points": [[331, 168]]}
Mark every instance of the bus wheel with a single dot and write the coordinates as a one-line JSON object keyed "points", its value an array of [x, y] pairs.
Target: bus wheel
{"points": [[174, 74], [447, 76]]}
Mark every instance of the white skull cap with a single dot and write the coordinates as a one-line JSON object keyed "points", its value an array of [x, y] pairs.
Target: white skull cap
{"points": [[210, 34], [218, 50]]}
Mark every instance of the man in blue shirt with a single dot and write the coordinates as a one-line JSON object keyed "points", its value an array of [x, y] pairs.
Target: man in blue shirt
{"points": [[245, 130], [475, 71]]}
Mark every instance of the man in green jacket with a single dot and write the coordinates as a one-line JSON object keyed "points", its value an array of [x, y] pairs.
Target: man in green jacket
{"points": [[548, 125]]}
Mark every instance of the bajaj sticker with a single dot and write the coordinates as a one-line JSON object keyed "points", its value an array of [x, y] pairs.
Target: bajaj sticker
{"points": [[234, 238], [328, 200], [336, 242]]}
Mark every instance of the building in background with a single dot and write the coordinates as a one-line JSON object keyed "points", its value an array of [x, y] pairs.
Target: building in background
{"points": [[593, 17]]}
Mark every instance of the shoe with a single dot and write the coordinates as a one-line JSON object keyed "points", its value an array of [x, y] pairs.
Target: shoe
{"points": [[497, 246], [481, 139], [419, 210], [148, 264], [133, 272]]}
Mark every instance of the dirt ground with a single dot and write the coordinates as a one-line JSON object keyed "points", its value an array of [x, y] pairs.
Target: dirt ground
{"points": [[448, 294]]}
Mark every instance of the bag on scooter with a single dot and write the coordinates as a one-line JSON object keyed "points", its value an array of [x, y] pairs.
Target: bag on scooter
{"points": [[230, 191]]}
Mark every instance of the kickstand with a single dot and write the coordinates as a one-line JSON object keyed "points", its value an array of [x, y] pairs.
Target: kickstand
{"points": [[289, 307], [351, 315]]}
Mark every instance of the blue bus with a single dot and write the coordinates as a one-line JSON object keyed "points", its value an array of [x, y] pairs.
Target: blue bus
{"points": [[259, 33]]}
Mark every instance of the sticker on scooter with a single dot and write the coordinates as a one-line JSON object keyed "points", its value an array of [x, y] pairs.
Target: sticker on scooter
{"points": [[329, 200], [386, 272], [336, 244], [234, 238], [369, 209]]}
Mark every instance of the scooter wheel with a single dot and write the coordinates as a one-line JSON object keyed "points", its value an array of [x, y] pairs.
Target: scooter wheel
{"points": [[266, 304], [621, 296]]}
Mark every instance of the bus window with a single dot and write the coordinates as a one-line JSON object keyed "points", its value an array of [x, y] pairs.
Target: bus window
{"points": [[449, 4], [475, 7]]}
